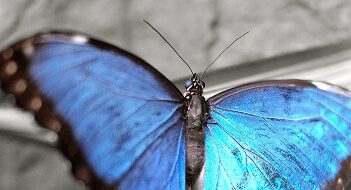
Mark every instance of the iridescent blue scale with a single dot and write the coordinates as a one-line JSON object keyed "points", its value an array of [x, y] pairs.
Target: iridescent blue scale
{"points": [[124, 125], [277, 135]]}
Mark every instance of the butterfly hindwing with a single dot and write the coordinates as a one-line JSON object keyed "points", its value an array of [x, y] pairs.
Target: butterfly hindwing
{"points": [[125, 117], [278, 135]]}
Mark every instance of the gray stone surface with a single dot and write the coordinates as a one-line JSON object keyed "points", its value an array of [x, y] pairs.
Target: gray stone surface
{"points": [[185, 23], [30, 165], [199, 29], [280, 27]]}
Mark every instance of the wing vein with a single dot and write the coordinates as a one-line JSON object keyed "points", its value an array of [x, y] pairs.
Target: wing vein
{"points": [[220, 162], [259, 144], [145, 150], [147, 136], [260, 116], [102, 84], [176, 160]]}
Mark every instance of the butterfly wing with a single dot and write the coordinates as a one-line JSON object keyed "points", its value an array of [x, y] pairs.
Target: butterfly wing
{"points": [[279, 135], [119, 120]]}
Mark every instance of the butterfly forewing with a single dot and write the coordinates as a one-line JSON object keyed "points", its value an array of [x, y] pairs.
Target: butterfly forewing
{"points": [[122, 116]]}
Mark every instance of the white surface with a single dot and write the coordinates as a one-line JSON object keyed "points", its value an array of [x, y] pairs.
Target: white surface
{"points": [[22, 123]]}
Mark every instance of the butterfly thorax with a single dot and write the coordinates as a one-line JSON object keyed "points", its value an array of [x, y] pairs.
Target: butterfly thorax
{"points": [[195, 120]]}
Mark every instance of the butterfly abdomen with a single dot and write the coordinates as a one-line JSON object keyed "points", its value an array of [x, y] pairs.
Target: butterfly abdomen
{"points": [[195, 120]]}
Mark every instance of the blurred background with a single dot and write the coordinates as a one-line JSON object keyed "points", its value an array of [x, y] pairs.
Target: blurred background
{"points": [[305, 39]]}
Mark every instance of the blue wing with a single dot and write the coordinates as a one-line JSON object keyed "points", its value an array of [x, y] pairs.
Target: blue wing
{"points": [[125, 117], [279, 135]]}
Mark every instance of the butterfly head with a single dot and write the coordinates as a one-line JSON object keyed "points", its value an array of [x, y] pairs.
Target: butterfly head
{"points": [[194, 85]]}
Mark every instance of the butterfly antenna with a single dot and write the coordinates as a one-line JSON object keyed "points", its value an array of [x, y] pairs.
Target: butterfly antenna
{"points": [[169, 45], [222, 53]]}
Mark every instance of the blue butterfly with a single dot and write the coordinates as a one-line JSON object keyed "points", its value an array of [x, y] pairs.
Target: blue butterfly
{"points": [[123, 125]]}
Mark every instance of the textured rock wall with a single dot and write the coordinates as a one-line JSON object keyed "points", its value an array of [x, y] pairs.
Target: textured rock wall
{"points": [[27, 165], [199, 29]]}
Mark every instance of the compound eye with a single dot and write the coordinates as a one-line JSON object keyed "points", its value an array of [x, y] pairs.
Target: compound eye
{"points": [[202, 84], [188, 84]]}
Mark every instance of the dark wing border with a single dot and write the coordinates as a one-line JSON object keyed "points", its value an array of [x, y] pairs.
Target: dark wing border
{"points": [[14, 79], [344, 175]]}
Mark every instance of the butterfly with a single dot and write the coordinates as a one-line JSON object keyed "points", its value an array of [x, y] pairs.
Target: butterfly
{"points": [[123, 125]]}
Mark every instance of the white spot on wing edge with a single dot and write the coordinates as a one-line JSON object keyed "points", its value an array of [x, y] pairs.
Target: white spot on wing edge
{"points": [[332, 88], [80, 39], [322, 86]]}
